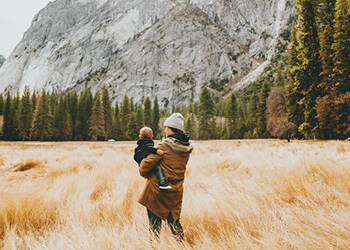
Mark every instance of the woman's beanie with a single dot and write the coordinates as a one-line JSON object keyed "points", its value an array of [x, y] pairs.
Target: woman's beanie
{"points": [[175, 121]]}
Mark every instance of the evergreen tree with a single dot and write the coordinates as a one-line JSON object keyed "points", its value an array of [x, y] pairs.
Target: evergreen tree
{"points": [[132, 132], [206, 115], [116, 110], [261, 114], [125, 113], [97, 120], [156, 118], [294, 93], [148, 112], [8, 127], [73, 110], [232, 118], [139, 118], [42, 120], [107, 111], [25, 115], [1, 104], [253, 108], [326, 15], [310, 65], [132, 108], [279, 80], [53, 102], [62, 130], [341, 47], [117, 132], [15, 113], [84, 114], [34, 99]]}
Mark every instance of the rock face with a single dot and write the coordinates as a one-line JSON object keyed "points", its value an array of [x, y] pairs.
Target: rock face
{"points": [[2, 60], [143, 48]]}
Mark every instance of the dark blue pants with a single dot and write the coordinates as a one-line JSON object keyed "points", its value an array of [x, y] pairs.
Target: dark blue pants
{"points": [[155, 224], [159, 173]]}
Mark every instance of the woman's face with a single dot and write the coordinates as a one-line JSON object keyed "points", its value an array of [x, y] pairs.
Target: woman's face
{"points": [[168, 131]]}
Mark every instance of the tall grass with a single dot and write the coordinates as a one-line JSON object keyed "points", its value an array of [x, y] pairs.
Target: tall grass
{"points": [[260, 194]]}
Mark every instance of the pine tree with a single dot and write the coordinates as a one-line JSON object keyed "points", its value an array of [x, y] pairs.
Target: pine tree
{"points": [[341, 47], [15, 114], [132, 132], [73, 110], [34, 99], [97, 120], [107, 111], [156, 118], [232, 117], [125, 113], [42, 120], [279, 80], [62, 129], [8, 127], [294, 93], [25, 114], [148, 112], [310, 65], [253, 108], [206, 115], [261, 114], [116, 109], [139, 118], [117, 132], [132, 108], [84, 114], [1, 104]]}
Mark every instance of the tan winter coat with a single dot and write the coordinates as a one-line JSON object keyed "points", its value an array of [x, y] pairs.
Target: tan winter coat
{"points": [[173, 163]]}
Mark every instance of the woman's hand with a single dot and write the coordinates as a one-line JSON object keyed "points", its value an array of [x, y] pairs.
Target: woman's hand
{"points": [[160, 152]]}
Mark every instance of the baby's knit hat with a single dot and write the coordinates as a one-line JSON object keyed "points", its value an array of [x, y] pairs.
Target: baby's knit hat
{"points": [[175, 121]]}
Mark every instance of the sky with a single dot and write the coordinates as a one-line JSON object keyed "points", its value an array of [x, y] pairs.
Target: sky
{"points": [[15, 18]]}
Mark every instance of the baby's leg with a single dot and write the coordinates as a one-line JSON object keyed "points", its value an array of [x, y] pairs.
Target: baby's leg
{"points": [[159, 173], [161, 177]]}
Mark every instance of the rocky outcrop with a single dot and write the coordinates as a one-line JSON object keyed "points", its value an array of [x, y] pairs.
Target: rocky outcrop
{"points": [[2, 60], [163, 48]]}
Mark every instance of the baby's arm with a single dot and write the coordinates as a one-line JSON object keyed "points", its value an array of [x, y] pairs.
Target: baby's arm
{"points": [[154, 150]]}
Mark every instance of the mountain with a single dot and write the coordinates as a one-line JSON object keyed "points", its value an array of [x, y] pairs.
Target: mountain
{"points": [[141, 48], [2, 60]]}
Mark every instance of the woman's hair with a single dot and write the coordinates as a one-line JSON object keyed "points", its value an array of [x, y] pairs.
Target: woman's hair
{"points": [[175, 130]]}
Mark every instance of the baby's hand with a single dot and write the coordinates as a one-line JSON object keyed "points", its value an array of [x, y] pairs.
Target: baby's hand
{"points": [[160, 152]]}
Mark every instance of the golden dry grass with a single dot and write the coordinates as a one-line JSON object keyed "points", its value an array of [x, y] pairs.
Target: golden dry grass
{"points": [[260, 194]]}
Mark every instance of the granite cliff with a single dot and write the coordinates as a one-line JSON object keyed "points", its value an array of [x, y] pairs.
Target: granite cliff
{"points": [[141, 48]]}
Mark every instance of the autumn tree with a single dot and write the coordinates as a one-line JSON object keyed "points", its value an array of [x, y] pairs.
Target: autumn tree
{"points": [[277, 121]]}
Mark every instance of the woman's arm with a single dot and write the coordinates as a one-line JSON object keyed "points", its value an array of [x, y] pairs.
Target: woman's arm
{"points": [[148, 163]]}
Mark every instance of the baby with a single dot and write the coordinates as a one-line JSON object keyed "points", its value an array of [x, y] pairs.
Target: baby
{"points": [[146, 147]]}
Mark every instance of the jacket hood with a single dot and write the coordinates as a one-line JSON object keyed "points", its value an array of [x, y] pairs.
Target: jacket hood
{"points": [[142, 142], [183, 137], [179, 147]]}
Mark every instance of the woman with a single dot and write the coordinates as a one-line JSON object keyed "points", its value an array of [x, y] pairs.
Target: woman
{"points": [[161, 204]]}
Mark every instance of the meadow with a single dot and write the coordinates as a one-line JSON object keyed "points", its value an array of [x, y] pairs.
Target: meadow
{"points": [[241, 194]]}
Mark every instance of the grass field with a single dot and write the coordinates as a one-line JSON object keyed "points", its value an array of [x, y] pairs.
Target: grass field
{"points": [[259, 194]]}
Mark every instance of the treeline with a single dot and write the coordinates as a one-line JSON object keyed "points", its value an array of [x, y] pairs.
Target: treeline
{"points": [[75, 117]]}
